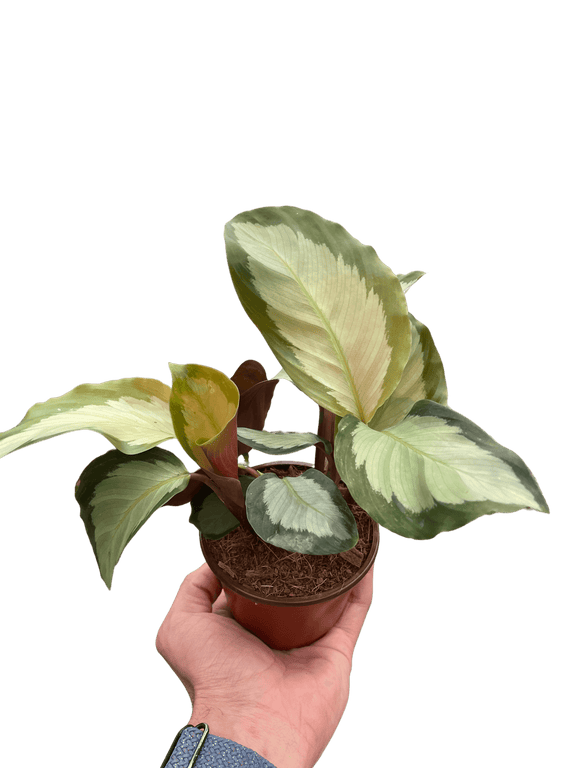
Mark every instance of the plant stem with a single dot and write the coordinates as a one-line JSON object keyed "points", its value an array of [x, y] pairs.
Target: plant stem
{"points": [[323, 461], [249, 470], [326, 431]]}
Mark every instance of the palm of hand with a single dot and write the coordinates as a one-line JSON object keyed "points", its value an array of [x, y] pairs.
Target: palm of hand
{"points": [[285, 705]]}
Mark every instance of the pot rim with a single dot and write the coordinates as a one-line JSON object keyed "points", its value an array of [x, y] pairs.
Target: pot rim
{"points": [[229, 583]]}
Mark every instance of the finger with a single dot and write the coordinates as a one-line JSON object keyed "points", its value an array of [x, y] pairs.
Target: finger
{"points": [[198, 592], [221, 603], [357, 608], [221, 606], [346, 631]]}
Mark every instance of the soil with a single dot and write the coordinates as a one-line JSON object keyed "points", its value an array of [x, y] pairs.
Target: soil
{"points": [[273, 572]]}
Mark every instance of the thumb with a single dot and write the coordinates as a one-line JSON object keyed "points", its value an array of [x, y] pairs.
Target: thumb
{"points": [[345, 632], [198, 592]]}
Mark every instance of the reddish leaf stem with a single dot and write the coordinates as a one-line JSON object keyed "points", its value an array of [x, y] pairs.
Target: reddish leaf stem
{"points": [[325, 461], [249, 471]]}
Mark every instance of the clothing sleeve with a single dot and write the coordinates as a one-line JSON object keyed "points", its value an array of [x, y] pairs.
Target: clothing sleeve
{"points": [[216, 752]]}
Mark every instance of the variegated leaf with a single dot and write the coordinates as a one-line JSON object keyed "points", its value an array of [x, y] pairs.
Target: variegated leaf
{"points": [[333, 314], [118, 493], [195, 485], [279, 443], [304, 514], [408, 280], [433, 472], [132, 413], [422, 379], [282, 375], [204, 403], [211, 516]]}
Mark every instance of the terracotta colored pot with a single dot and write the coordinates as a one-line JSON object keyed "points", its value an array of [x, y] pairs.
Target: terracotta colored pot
{"points": [[289, 622]]}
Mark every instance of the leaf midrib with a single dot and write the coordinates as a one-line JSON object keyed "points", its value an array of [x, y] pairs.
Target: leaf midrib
{"points": [[147, 492], [300, 499], [335, 342], [427, 455]]}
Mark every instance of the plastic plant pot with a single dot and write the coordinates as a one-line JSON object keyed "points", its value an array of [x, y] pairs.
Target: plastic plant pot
{"points": [[289, 622]]}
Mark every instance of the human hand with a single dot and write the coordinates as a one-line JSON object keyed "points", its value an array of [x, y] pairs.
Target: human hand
{"points": [[285, 705]]}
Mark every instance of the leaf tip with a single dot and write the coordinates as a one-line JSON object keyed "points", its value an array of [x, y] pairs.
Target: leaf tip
{"points": [[175, 370]]}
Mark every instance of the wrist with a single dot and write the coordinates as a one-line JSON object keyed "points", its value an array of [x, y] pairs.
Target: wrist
{"points": [[229, 724], [280, 746]]}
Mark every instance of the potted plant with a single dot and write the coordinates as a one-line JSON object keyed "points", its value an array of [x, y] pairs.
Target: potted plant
{"points": [[288, 540]]}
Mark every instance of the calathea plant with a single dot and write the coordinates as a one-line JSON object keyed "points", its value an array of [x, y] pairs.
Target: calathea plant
{"points": [[336, 319]]}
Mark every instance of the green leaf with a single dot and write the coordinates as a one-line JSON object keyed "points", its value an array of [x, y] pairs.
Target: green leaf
{"points": [[279, 443], [333, 314], [118, 493], [204, 403], [132, 413], [433, 472], [196, 483], [211, 516], [408, 280], [422, 379], [304, 514]]}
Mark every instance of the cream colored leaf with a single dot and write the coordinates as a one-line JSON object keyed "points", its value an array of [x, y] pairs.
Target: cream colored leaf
{"points": [[133, 414], [434, 471], [422, 379], [334, 315], [408, 280]]}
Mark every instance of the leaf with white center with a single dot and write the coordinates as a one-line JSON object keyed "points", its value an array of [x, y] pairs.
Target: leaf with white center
{"points": [[118, 493], [333, 314], [204, 404], [408, 280], [279, 443], [304, 514], [434, 471], [422, 379], [211, 516], [132, 413]]}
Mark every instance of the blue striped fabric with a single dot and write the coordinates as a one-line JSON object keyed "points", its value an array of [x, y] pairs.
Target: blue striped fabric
{"points": [[217, 752]]}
